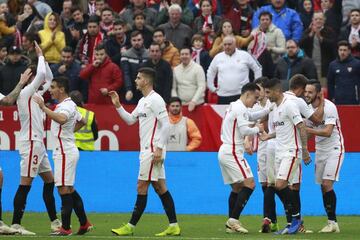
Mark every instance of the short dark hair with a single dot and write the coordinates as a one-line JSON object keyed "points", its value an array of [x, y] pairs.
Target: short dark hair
{"points": [[209, 1], [261, 80], [107, 9], [155, 44], [355, 10], [175, 99], [75, 8], [159, 30], [265, 13], [148, 72], [249, 87], [77, 97], [298, 81], [198, 37], [135, 34], [31, 36], [316, 84], [62, 82], [139, 13], [273, 83], [343, 43], [186, 47], [119, 22], [99, 47], [294, 41], [94, 19], [68, 49]]}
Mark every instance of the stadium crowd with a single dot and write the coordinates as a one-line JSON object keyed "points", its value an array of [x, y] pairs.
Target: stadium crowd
{"points": [[99, 45]]}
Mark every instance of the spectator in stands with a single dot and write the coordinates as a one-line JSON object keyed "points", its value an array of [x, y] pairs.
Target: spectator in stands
{"points": [[86, 136], [130, 63], [352, 33], [118, 42], [306, 12], [178, 33], [226, 29], [275, 39], [199, 54], [99, 6], [288, 20], [344, 77], [91, 7], [10, 73], [52, 38], [107, 21], [30, 20], [232, 70], [332, 12], [42, 8], [318, 43], [195, 7], [186, 17], [103, 76], [294, 62], [7, 31], [139, 25], [207, 24], [184, 135], [76, 27], [347, 6], [66, 13], [139, 5], [70, 68], [28, 46], [169, 52], [4, 53], [164, 73], [189, 81], [91, 39], [240, 16]]}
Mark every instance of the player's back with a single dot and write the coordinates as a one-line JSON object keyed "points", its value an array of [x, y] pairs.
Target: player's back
{"points": [[230, 133], [30, 115], [64, 133], [336, 140], [286, 117], [149, 110]]}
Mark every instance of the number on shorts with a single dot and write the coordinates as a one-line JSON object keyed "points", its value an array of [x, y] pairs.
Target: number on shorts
{"points": [[15, 115], [36, 158], [1, 116]]}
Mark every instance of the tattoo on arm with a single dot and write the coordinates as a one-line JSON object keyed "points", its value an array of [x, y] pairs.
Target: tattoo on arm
{"points": [[10, 99], [303, 134]]}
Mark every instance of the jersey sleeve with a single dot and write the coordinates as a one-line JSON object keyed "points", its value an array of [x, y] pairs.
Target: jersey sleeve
{"points": [[158, 107], [293, 113], [78, 116], [1, 96], [305, 109], [64, 109], [330, 115], [242, 118]]}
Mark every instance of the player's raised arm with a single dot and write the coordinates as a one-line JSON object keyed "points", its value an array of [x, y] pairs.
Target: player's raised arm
{"points": [[60, 118], [10, 99], [130, 119]]}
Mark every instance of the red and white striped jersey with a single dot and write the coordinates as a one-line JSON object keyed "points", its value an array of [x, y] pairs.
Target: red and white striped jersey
{"points": [[286, 117], [336, 140], [30, 115], [64, 134], [149, 111]]}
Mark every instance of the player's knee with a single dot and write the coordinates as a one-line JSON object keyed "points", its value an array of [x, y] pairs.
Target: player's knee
{"points": [[249, 183], [279, 185]]}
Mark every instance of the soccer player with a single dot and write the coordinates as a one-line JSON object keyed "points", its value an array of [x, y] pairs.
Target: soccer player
{"points": [[65, 119], [34, 159], [290, 132], [329, 153], [154, 128], [9, 100], [234, 167], [297, 88]]}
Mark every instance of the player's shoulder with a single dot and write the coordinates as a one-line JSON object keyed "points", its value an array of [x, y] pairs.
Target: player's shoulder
{"points": [[156, 97], [329, 106]]}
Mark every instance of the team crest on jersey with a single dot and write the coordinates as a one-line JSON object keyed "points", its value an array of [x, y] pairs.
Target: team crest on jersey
{"points": [[349, 69]]}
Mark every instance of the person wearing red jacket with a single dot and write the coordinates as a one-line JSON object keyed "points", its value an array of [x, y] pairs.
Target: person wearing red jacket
{"points": [[103, 76]]}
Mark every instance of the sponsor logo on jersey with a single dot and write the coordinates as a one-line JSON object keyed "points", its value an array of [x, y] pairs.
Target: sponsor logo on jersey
{"points": [[277, 123], [142, 115]]}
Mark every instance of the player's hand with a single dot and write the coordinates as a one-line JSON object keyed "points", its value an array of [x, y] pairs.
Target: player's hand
{"points": [[306, 157], [158, 156], [104, 91], [39, 101], [25, 76], [38, 49], [129, 95], [261, 127], [248, 146], [114, 98], [191, 106]]}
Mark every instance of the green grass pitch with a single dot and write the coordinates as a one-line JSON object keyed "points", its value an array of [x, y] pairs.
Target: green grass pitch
{"points": [[194, 227]]}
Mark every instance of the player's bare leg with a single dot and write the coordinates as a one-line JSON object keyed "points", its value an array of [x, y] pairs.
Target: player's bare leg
{"points": [[49, 200], [244, 189], [169, 207], [329, 200]]}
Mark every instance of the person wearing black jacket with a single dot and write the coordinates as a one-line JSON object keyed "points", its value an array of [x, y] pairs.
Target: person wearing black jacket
{"points": [[76, 27], [344, 77], [118, 43], [164, 74], [352, 33]]}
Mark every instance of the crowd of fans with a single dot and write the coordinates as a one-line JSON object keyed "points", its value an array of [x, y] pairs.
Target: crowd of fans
{"points": [[202, 50]]}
